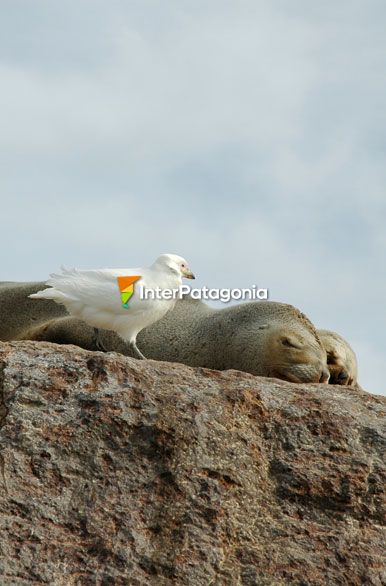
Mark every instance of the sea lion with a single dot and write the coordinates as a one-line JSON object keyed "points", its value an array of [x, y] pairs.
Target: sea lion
{"points": [[264, 338], [18, 313], [341, 359]]}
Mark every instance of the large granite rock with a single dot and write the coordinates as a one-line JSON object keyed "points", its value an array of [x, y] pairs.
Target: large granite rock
{"points": [[115, 471]]}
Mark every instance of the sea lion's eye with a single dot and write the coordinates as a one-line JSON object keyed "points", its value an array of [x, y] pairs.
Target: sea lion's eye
{"points": [[291, 343]]}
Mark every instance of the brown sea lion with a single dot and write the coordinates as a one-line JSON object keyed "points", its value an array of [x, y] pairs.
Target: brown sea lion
{"points": [[264, 338], [341, 359]]}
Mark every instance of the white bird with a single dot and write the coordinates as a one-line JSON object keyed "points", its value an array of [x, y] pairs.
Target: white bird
{"points": [[95, 296]]}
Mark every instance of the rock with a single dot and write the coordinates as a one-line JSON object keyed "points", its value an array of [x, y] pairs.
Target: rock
{"points": [[115, 471]]}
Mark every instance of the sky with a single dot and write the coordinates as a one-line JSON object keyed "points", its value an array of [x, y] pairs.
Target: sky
{"points": [[248, 137]]}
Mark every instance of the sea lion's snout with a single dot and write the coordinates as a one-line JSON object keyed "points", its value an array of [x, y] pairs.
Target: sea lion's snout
{"points": [[343, 375], [306, 373], [325, 376], [339, 377]]}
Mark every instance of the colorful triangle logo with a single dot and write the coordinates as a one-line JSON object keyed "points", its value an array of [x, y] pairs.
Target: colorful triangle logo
{"points": [[126, 287]]}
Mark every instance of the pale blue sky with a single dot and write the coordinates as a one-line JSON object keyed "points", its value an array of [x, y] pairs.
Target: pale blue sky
{"points": [[247, 136]]}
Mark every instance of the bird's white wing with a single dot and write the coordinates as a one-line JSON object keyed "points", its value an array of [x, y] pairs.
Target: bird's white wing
{"points": [[99, 290]]}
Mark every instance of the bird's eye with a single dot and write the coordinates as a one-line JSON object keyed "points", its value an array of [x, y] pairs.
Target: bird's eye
{"points": [[183, 266]]}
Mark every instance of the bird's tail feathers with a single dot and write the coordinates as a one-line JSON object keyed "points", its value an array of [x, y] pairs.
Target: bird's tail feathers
{"points": [[50, 293]]}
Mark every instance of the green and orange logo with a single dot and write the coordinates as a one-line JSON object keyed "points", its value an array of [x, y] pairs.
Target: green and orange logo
{"points": [[126, 287]]}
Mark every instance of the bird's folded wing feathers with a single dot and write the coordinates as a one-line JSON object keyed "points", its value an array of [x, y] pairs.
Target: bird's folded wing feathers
{"points": [[94, 288]]}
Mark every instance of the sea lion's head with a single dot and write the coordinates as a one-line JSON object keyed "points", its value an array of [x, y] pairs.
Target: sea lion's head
{"points": [[296, 356], [271, 339], [341, 359]]}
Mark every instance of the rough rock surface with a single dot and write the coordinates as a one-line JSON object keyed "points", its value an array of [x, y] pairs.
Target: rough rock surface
{"points": [[115, 471]]}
